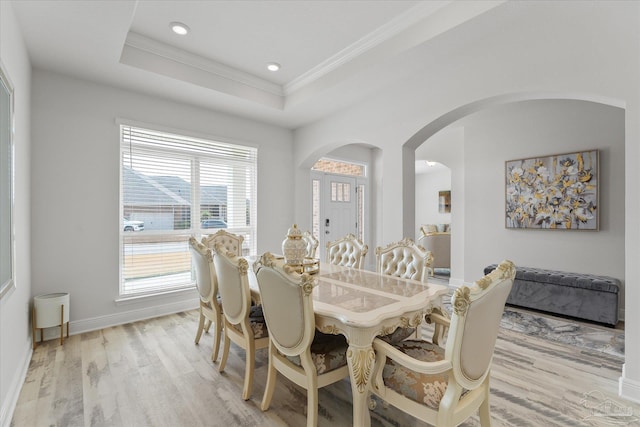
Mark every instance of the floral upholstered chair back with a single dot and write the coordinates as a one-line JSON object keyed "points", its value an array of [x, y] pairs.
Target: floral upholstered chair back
{"points": [[403, 259], [348, 251], [231, 242]]}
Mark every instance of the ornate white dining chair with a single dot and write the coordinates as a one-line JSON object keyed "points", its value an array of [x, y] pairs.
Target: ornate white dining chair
{"points": [[312, 244], [231, 242], [243, 324], [305, 356], [403, 259], [347, 251], [207, 285], [444, 387]]}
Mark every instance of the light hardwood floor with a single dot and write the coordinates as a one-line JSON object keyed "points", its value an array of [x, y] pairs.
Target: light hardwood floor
{"points": [[150, 373]]}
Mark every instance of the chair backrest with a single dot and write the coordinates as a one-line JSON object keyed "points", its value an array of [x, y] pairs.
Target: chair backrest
{"points": [[233, 284], [475, 324], [291, 330], [206, 280], [312, 244], [439, 244], [231, 242], [348, 251], [403, 259]]}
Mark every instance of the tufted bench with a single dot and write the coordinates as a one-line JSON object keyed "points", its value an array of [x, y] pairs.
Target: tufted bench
{"points": [[584, 296]]}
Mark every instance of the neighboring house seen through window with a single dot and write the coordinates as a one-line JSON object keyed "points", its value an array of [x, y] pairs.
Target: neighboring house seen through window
{"points": [[172, 187]]}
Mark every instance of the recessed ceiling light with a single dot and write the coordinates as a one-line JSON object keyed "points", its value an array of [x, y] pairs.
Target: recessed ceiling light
{"points": [[273, 66], [179, 28], [430, 163]]}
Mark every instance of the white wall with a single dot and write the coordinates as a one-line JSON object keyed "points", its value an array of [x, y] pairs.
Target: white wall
{"points": [[15, 341], [76, 189], [520, 50], [539, 128]]}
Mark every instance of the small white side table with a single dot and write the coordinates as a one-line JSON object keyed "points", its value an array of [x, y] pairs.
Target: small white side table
{"points": [[50, 310]]}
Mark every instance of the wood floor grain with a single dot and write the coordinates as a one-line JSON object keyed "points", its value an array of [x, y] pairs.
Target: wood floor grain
{"points": [[150, 373]]}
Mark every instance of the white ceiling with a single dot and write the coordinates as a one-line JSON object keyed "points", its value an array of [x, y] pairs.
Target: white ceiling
{"points": [[324, 47]]}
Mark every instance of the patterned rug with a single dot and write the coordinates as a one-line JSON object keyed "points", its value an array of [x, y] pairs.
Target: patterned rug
{"points": [[582, 335], [567, 331]]}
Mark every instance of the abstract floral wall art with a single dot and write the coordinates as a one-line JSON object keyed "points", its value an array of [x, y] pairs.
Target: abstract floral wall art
{"points": [[558, 192]]}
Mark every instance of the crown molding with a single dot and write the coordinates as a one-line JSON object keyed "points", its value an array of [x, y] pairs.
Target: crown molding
{"points": [[218, 69], [394, 27]]}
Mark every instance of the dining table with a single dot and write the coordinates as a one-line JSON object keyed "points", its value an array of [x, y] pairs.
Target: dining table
{"points": [[362, 305]]}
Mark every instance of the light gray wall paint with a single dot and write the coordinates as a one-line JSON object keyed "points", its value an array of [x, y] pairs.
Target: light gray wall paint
{"points": [[15, 343], [539, 128], [76, 184]]}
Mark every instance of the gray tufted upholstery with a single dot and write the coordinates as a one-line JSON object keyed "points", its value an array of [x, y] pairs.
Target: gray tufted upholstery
{"points": [[585, 296], [347, 252], [403, 259]]}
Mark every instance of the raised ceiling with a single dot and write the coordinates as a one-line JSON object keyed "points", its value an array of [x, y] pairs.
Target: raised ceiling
{"points": [[324, 48]]}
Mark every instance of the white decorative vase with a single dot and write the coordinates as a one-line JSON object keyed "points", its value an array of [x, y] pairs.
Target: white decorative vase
{"points": [[294, 248]]}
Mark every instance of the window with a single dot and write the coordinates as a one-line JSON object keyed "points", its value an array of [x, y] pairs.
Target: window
{"points": [[173, 187]]}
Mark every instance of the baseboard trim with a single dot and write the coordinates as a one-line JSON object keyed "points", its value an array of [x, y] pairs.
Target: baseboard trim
{"points": [[121, 318], [628, 389], [9, 405]]}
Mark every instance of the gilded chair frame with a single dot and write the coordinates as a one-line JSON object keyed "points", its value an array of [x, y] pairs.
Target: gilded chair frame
{"points": [[231, 242], [404, 259], [474, 326], [292, 333], [207, 285], [236, 306], [348, 251]]}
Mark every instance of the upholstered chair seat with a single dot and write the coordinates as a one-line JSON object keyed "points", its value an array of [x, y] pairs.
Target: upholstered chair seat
{"points": [[348, 251], [328, 352], [400, 334], [257, 323], [426, 389]]}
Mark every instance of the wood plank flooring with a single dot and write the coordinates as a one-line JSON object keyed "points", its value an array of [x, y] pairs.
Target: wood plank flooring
{"points": [[150, 373]]}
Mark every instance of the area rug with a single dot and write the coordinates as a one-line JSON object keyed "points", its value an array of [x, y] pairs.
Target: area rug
{"points": [[581, 335], [566, 331]]}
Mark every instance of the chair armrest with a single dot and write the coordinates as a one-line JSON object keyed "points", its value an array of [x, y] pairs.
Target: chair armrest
{"points": [[438, 318], [386, 350]]}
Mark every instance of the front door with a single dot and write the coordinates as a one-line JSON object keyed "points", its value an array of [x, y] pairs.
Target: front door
{"points": [[340, 208]]}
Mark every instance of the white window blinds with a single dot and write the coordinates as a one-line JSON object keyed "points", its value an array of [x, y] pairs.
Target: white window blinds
{"points": [[173, 187]]}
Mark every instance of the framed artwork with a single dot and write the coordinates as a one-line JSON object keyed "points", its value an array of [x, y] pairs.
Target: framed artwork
{"points": [[7, 263], [444, 201], [558, 192]]}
